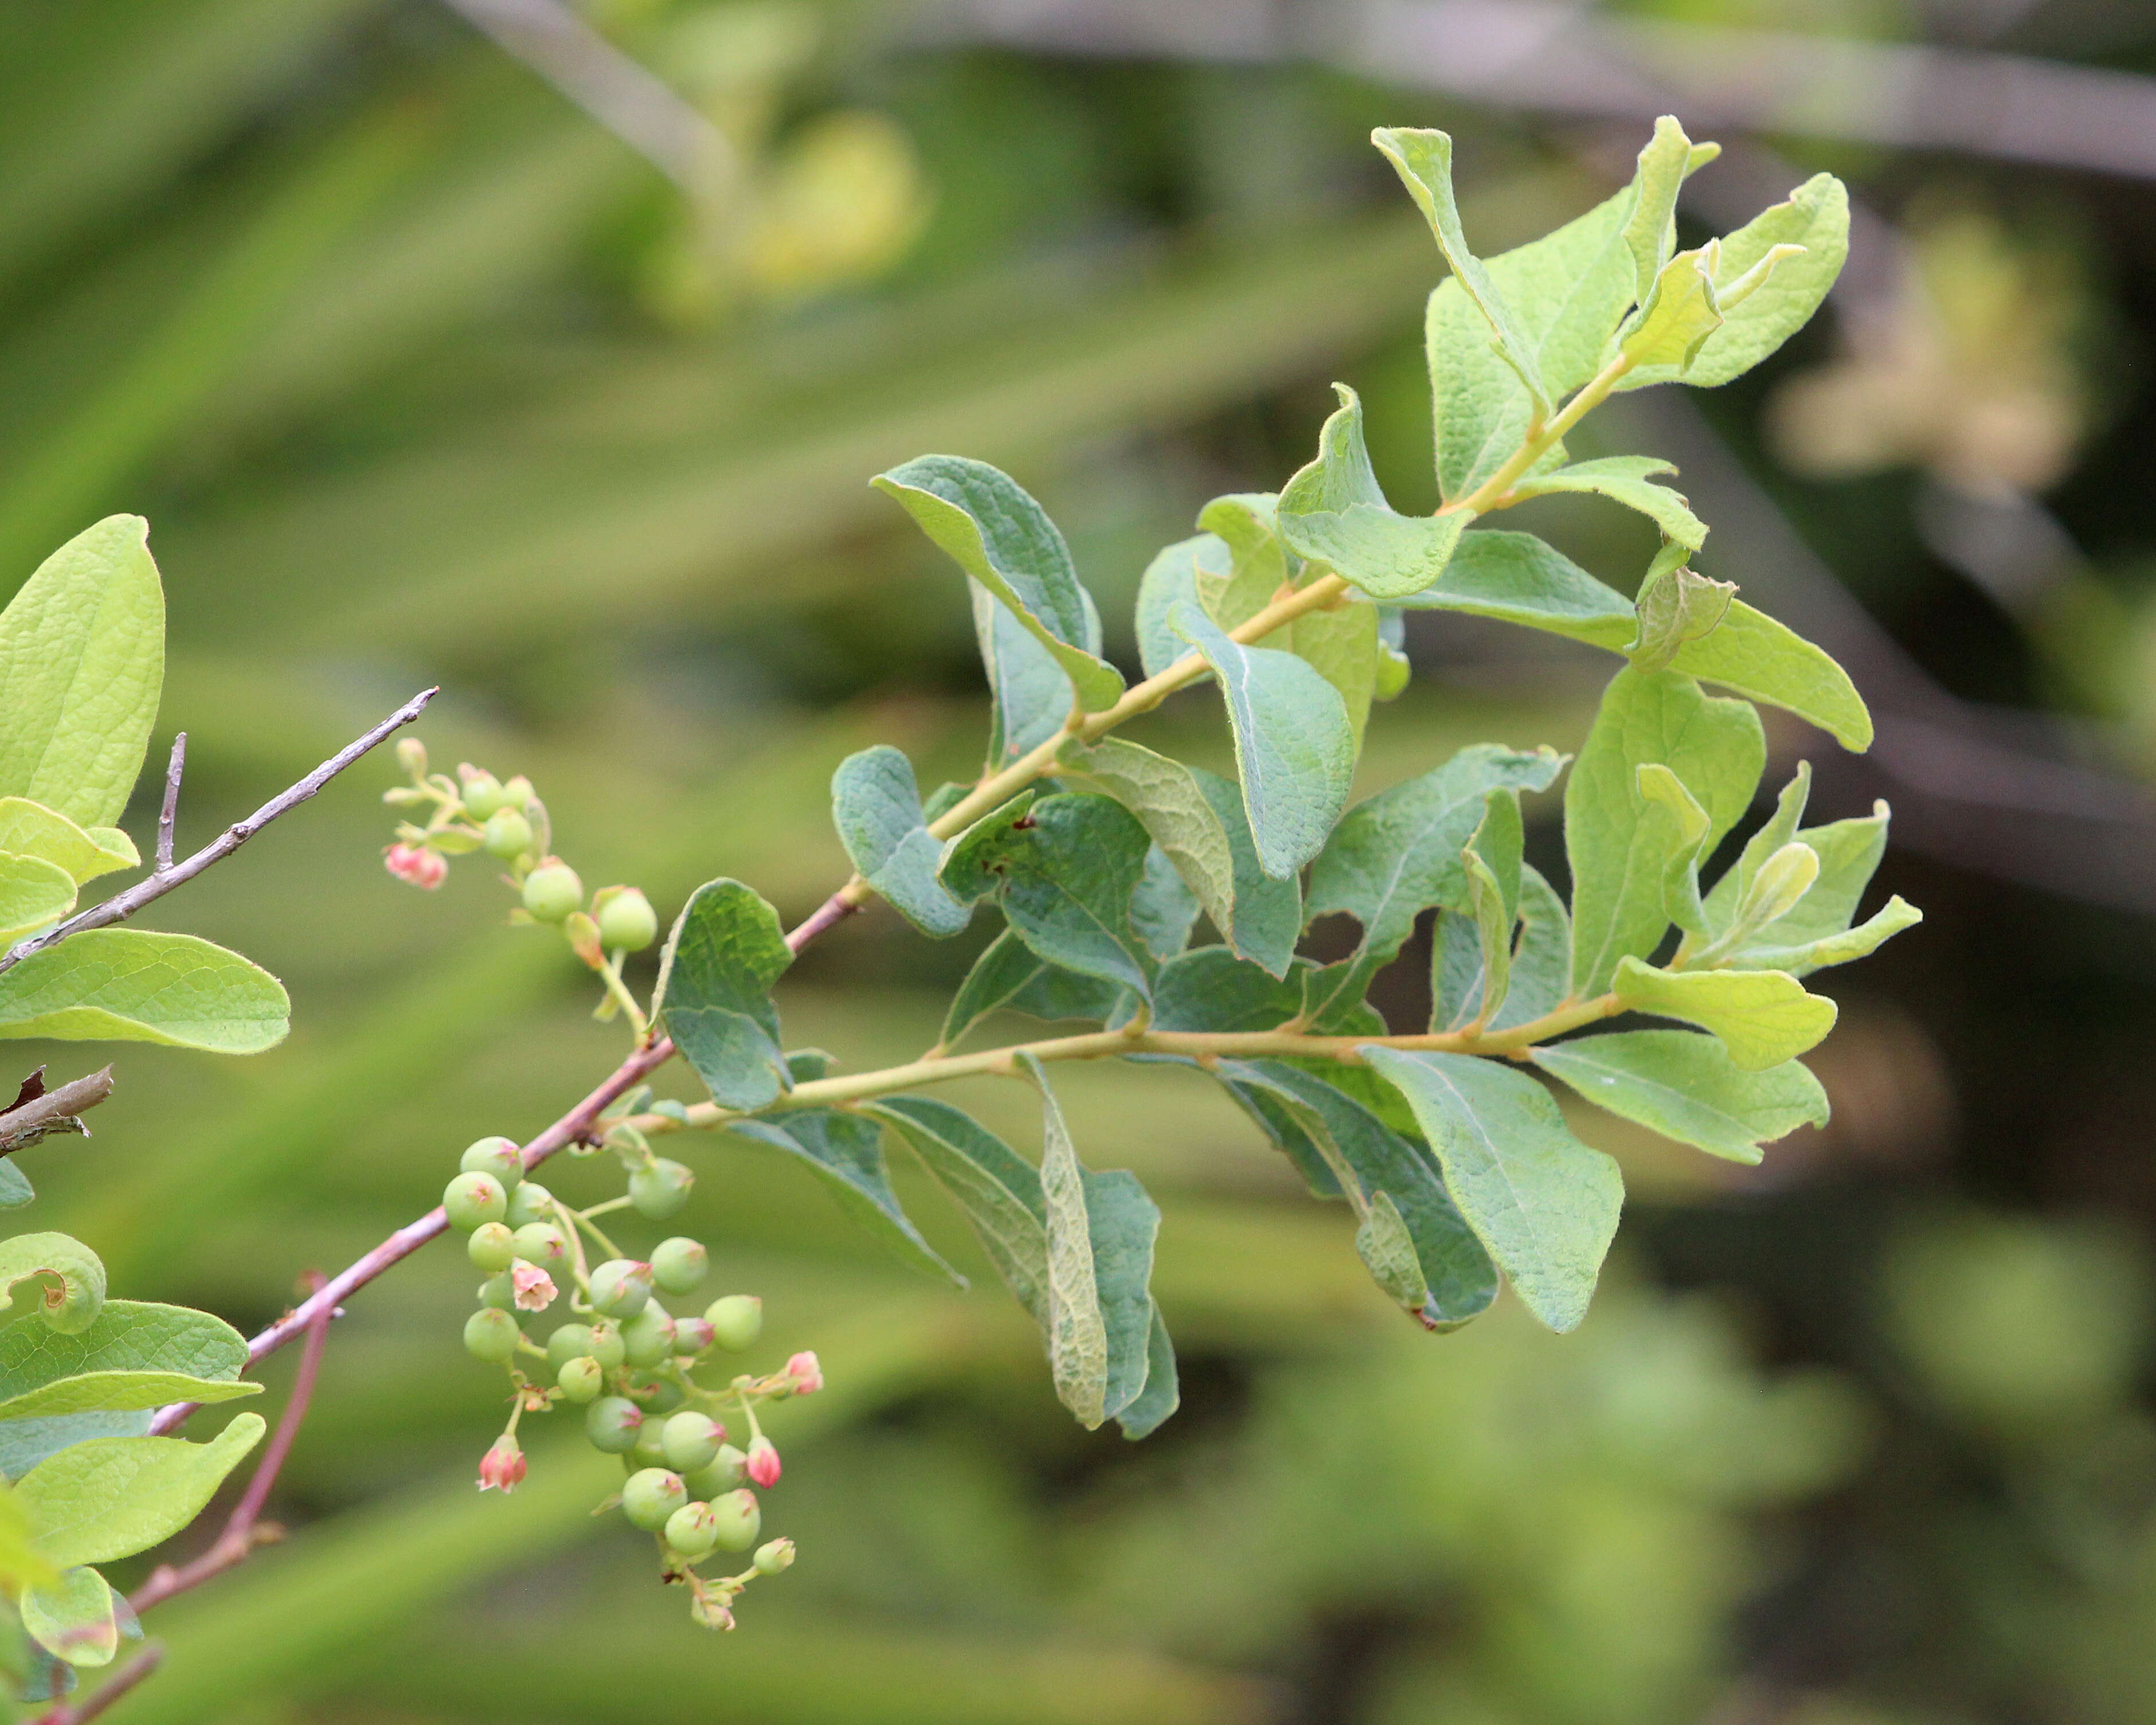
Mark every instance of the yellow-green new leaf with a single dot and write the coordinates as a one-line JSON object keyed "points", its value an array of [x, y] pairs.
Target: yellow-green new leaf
{"points": [[33, 894], [1685, 1086], [29, 828], [1332, 512], [1763, 1017], [112, 1498], [74, 1618], [132, 985], [55, 1276], [1625, 480]]}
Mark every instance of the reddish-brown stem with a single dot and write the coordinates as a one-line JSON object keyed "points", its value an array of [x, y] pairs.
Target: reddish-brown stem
{"points": [[120, 1682]]}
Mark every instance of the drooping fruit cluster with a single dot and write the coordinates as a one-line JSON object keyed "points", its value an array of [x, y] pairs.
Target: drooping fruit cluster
{"points": [[623, 1358]]}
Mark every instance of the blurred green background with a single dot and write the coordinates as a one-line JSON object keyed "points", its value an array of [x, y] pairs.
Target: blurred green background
{"points": [[423, 373]]}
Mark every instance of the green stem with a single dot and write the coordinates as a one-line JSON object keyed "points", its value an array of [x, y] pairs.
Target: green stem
{"points": [[1492, 493], [579, 1219]]}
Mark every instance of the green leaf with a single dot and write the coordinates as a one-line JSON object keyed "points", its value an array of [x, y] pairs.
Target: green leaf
{"points": [[1009, 975], [15, 1187], [1172, 579], [846, 1149], [1815, 217], [715, 976], [998, 1190], [1458, 1280], [1163, 1393], [55, 1276], [1268, 914], [1650, 225], [1398, 854], [1676, 319], [30, 828], [1171, 806], [1064, 869], [1124, 1222], [1029, 695], [1848, 851], [112, 1498], [1332, 512], [1685, 1086], [1383, 1243], [1674, 830], [1295, 747], [120, 1391], [1516, 577], [1616, 842], [1491, 863], [1896, 913], [82, 665], [1163, 910], [1543, 1204], [1677, 609], [1541, 969], [1763, 1017], [74, 1618], [1247, 525], [875, 804], [33, 894], [130, 985], [1765, 661], [1211, 988], [994, 531], [126, 1336], [24, 1443], [1624, 479]]}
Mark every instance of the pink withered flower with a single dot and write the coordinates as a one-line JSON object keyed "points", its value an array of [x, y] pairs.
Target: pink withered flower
{"points": [[502, 1466], [806, 1374], [534, 1288], [421, 864], [763, 1462]]}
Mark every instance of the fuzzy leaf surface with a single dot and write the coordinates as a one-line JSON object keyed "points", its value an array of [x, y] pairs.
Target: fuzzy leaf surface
{"points": [[1010, 975], [53, 1276], [1332, 512], [1268, 912], [1173, 808], [715, 976], [875, 804], [1685, 1086], [30, 828], [74, 1618], [112, 1498], [32, 894], [1626, 480], [1763, 1017]]}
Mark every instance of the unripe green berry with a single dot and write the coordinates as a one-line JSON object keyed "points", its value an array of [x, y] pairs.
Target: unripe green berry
{"points": [[727, 1470], [498, 1157], [490, 1335], [482, 795], [492, 1248], [660, 1189], [740, 1519], [693, 1336], [660, 1396], [736, 1320], [530, 1202], [607, 1346], [692, 1530], [551, 891], [628, 920], [621, 1287], [540, 1243], [567, 1343], [651, 1497], [612, 1423], [691, 1440], [580, 1379], [774, 1555], [473, 1198], [648, 1338], [498, 1293], [650, 1447], [508, 835], [679, 1264]]}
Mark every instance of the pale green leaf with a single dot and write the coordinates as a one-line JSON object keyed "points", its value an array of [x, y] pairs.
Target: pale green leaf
{"points": [[1541, 964], [1766, 661], [1676, 607], [1125, 1223], [846, 1149], [55, 1276], [24, 1443], [1383, 1243], [1816, 931], [1676, 319], [998, 1190], [133, 1355], [1651, 224], [1171, 806], [1815, 217], [1077, 1330], [1172, 579], [74, 1618], [1211, 988], [1247, 524], [1896, 913], [1492, 867], [1516, 577], [119, 1392], [1010, 976], [30, 828], [1543, 1204], [1029, 694], [1674, 825], [82, 665], [875, 804], [33, 893], [1625, 480], [1295, 748], [15, 1187], [994, 531], [1332, 512], [1163, 1393], [1163, 910], [1763, 1017], [1268, 911], [112, 1498], [1685, 1086], [131, 985], [715, 976]]}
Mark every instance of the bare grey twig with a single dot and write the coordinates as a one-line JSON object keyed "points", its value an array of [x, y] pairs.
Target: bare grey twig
{"points": [[122, 906], [170, 812]]}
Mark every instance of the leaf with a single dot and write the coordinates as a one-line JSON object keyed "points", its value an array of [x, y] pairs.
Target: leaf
{"points": [[1617, 843], [1211, 988], [1685, 1086], [15, 1187], [1295, 748], [846, 1149], [1674, 830], [1543, 1205], [1029, 695], [994, 531], [112, 1498], [1332, 512], [33, 894], [1162, 1394], [1896, 913], [1765, 661], [74, 1618], [128, 984], [20, 1564], [1247, 525], [1170, 580], [1516, 577], [31, 829], [1815, 216], [24, 1443], [1124, 1222], [82, 665], [1492, 866], [1064, 869], [53, 1275], [1677, 609], [1651, 221], [1763, 1017], [131, 1356], [876, 805], [1163, 910], [1268, 914], [120, 1391], [725, 951], [1848, 851], [1624, 479], [1541, 966], [1396, 854], [998, 1190], [1387, 1252], [1171, 806], [1677, 318], [1009, 975]]}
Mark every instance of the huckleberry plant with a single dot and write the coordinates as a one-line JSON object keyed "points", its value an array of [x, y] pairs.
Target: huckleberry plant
{"points": [[1102, 856]]}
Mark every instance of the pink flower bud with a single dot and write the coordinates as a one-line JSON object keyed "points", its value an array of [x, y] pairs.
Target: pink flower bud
{"points": [[763, 1462], [534, 1288], [502, 1466], [418, 864], [808, 1376]]}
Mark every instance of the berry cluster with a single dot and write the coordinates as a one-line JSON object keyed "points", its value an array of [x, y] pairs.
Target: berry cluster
{"points": [[625, 1359]]}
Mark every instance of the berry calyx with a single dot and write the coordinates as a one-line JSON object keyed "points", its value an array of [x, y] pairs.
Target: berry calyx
{"points": [[606, 1348], [507, 835], [647, 1339], [611, 1424], [660, 1188], [679, 1264], [498, 1157], [692, 1530], [540, 1243], [490, 1335], [580, 1379], [529, 1202], [628, 920], [691, 1441], [773, 1556], [551, 891], [737, 1321], [648, 1498], [724, 1474], [492, 1247], [621, 1287], [482, 791], [473, 1198], [693, 1336], [740, 1519]]}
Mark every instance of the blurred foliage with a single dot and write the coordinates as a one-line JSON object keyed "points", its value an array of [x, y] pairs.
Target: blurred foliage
{"points": [[420, 377]]}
